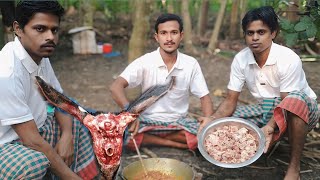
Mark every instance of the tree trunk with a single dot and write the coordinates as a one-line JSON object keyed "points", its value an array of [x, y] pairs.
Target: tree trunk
{"points": [[188, 46], [140, 30], [87, 11], [203, 18], [293, 10], [217, 26], [234, 20], [243, 9], [170, 6]]}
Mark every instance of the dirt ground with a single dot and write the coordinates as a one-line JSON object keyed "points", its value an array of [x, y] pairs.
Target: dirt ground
{"points": [[86, 78]]}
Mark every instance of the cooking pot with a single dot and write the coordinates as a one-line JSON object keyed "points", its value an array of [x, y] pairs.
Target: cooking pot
{"points": [[172, 167]]}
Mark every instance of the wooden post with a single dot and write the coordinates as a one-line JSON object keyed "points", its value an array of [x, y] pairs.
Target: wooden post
{"points": [[140, 30], [214, 37], [203, 18]]}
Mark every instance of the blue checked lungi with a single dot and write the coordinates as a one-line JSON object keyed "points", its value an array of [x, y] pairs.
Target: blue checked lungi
{"points": [[295, 102], [20, 162]]}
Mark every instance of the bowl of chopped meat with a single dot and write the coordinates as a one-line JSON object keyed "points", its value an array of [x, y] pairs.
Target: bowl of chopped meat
{"points": [[231, 142]]}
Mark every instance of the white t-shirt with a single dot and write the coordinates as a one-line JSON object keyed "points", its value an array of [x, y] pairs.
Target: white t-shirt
{"points": [[282, 72], [20, 99], [149, 70]]}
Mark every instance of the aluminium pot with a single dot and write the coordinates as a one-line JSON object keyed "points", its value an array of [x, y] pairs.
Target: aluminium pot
{"points": [[172, 167]]}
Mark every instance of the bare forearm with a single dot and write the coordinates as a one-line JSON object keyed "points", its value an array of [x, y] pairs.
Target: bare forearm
{"points": [[228, 106], [283, 95], [206, 106], [117, 90], [65, 122], [272, 123], [224, 110], [57, 165], [30, 137], [120, 98]]}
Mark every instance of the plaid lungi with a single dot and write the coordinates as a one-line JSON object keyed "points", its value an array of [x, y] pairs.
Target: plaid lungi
{"points": [[20, 162], [189, 125], [296, 102], [259, 114]]}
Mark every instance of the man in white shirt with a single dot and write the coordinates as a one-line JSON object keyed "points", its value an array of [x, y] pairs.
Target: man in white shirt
{"points": [[32, 141], [274, 76], [165, 123]]}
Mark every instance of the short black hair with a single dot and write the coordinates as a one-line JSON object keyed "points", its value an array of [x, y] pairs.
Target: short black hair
{"points": [[266, 14], [7, 10], [25, 10], [168, 17]]}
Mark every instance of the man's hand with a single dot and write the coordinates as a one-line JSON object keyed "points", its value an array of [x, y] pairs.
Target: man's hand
{"points": [[134, 127], [268, 132], [203, 122], [64, 148], [30, 137]]}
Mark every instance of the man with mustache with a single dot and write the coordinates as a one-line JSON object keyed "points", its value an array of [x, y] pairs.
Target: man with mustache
{"points": [[33, 141], [165, 123], [274, 76]]}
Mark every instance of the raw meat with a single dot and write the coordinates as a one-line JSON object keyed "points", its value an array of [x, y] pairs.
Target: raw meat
{"points": [[229, 144]]}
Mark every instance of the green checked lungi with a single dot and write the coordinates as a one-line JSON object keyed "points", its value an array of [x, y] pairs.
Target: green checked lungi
{"points": [[259, 114], [20, 162], [295, 102], [159, 128]]}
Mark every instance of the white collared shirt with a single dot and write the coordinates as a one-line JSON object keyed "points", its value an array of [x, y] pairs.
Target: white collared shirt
{"points": [[20, 98], [282, 72], [149, 70]]}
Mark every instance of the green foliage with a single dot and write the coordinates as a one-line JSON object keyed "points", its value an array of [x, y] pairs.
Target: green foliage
{"points": [[307, 28], [215, 5], [67, 3], [286, 25], [193, 5], [112, 8], [164, 8], [255, 4], [291, 38]]}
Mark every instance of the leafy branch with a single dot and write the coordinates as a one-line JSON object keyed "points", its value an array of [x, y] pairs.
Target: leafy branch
{"points": [[307, 28]]}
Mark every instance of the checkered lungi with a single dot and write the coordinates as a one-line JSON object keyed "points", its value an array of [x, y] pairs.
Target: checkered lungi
{"points": [[296, 102], [20, 162], [189, 125]]}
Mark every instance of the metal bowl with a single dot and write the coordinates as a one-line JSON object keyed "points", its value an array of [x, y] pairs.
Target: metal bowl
{"points": [[173, 167], [253, 129]]}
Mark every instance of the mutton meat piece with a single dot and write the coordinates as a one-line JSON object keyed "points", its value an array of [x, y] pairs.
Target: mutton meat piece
{"points": [[106, 129], [231, 144]]}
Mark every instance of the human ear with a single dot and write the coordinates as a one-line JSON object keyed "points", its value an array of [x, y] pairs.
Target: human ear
{"points": [[182, 35], [156, 36], [16, 28], [274, 34]]}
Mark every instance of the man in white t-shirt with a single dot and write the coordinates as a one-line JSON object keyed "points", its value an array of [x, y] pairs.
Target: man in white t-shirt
{"points": [[274, 76], [165, 123], [32, 141]]}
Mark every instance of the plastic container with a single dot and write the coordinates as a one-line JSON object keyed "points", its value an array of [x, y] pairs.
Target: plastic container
{"points": [[99, 48], [107, 48]]}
